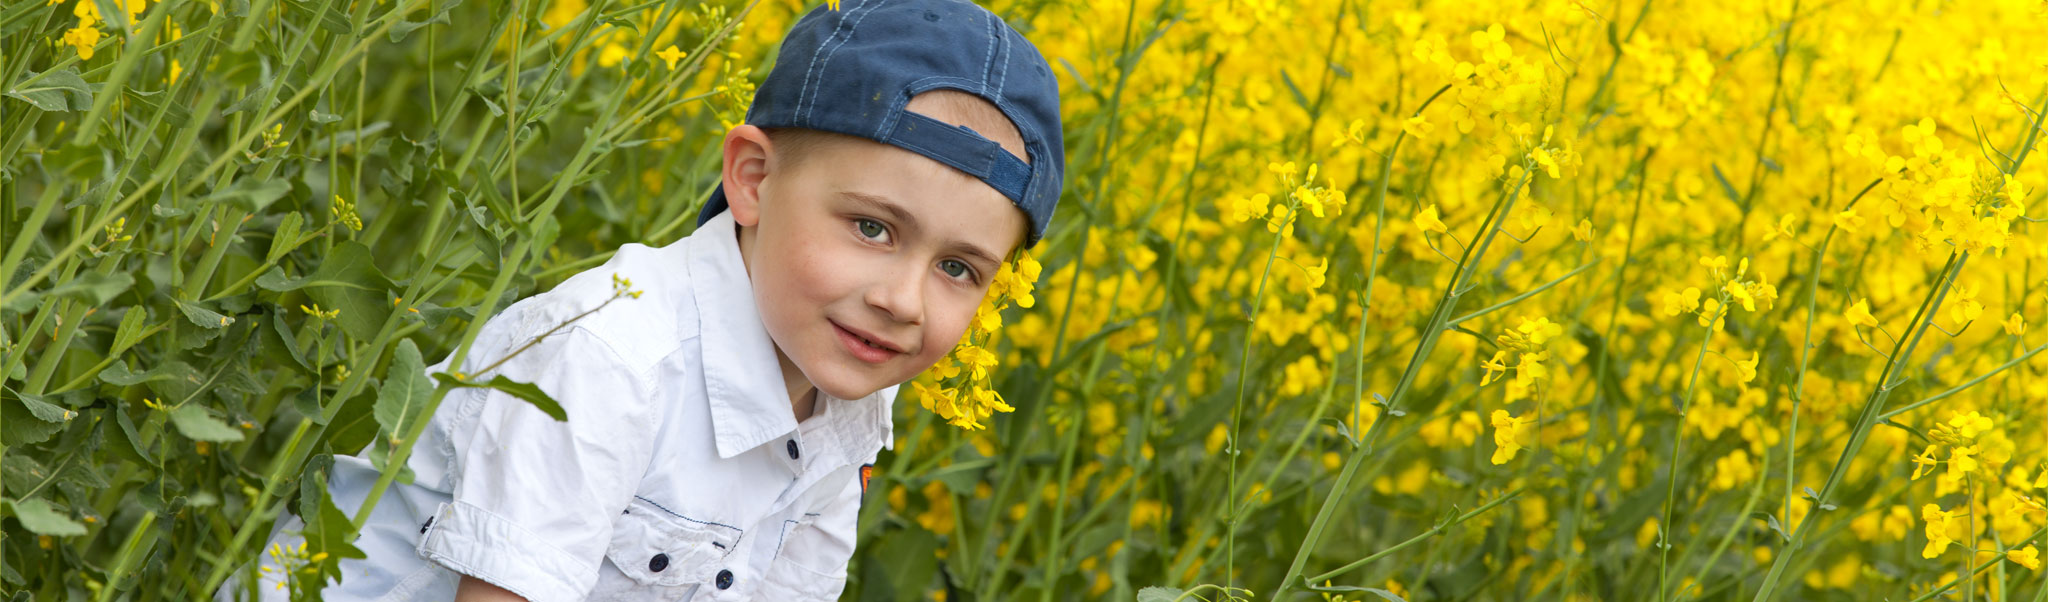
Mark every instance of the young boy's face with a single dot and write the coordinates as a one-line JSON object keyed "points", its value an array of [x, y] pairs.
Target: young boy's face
{"points": [[864, 240]]}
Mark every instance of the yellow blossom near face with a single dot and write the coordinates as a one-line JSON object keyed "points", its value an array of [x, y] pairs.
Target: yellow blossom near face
{"points": [[2026, 557], [1584, 231], [2015, 325], [1508, 434], [1859, 314], [1427, 221]]}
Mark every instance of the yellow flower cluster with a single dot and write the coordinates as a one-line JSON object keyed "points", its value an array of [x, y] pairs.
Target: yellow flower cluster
{"points": [[345, 213], [85, 37], [1528, 341], [1972, 440], [958, 387], [1712, 311]]}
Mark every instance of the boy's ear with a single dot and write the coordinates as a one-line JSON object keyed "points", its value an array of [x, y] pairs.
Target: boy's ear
{"points": [[747, 153]]}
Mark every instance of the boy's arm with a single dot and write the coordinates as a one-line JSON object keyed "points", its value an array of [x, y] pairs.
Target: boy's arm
{"points": [[533, 498], [478, 590]]}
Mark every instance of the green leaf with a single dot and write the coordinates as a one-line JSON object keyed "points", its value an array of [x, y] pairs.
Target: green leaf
{"points": [[327, 531], [1159, 594], [1727, 187], [19, 472], [91, 288], [133, 435], [61, 90], [405, 393], [153, 102], [40, 518], [348, 280], [118, 374], [910, 579], [130, 331], [251, 194], [532, 394], [205, 318], [48, 412], [404, 28], [286, 237], [196, 423], [22, 424]]}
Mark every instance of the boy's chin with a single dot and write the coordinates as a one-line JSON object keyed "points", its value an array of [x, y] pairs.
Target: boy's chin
{"points": [[849, 387]]}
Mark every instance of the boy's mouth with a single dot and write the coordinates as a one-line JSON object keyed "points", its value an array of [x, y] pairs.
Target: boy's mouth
{"points": [[864, 347]]}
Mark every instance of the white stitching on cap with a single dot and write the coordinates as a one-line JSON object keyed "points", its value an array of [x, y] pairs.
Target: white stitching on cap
{"points": [[810, 71], [988, 57], [804, 109], [1006, 60]]}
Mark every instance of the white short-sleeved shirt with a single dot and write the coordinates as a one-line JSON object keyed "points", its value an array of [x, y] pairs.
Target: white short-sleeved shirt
{"points": [[681, 473]]}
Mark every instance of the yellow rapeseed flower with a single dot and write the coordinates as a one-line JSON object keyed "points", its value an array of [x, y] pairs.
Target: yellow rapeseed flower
{"points": [[1508, 433], [1417, 127], [2026, 557], [1427, 221], [670, 55], [1494, 367], [83, 38], [2015, 325], [1859, 314], [1943, 528]]}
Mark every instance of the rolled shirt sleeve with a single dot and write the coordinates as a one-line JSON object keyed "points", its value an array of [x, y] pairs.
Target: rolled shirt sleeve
{"points": [[533, 498]]}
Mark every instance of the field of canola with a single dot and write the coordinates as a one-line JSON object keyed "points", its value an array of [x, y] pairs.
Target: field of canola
{"points": [[1346, 300]]}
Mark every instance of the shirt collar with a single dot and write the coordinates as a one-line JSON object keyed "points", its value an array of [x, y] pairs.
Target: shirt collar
{"points": [[742, 378]]}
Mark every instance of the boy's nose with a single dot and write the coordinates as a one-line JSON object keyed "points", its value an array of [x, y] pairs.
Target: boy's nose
{"points": [[900, 294]]}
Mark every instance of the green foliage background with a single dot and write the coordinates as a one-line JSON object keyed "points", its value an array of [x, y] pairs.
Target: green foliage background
{"points": [[174, 208]]}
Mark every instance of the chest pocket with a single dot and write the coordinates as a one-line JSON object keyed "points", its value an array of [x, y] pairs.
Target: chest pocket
{"points": [[662, 549]]}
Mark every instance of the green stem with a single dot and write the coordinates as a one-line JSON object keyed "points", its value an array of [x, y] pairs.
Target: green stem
{"points": [[1432, 532]]}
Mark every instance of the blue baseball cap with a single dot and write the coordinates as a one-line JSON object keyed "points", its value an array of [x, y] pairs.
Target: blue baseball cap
{"points": [[852, 71]]}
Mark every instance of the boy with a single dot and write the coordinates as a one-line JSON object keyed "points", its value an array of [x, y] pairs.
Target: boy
{"points": [[721, 425]]}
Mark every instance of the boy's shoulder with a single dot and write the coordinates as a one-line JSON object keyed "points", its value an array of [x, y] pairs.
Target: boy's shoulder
{"points": [[640, 303]]}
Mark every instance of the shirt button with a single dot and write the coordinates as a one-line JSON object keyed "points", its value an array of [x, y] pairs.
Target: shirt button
{"points": [[659, 562], [724, 579], [792, 449]]}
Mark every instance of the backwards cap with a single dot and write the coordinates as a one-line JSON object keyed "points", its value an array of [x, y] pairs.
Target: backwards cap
{"points": [[852, 71]]}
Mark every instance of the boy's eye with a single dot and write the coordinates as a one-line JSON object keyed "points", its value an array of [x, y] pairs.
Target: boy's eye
{"points": [[955, 268], [870, 228]]}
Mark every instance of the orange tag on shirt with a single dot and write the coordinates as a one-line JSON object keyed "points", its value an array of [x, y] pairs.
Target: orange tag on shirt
{"points": [[866, 471]]}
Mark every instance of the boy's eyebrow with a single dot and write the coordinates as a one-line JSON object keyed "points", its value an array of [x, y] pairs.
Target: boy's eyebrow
{"points": [[909, 220]]}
